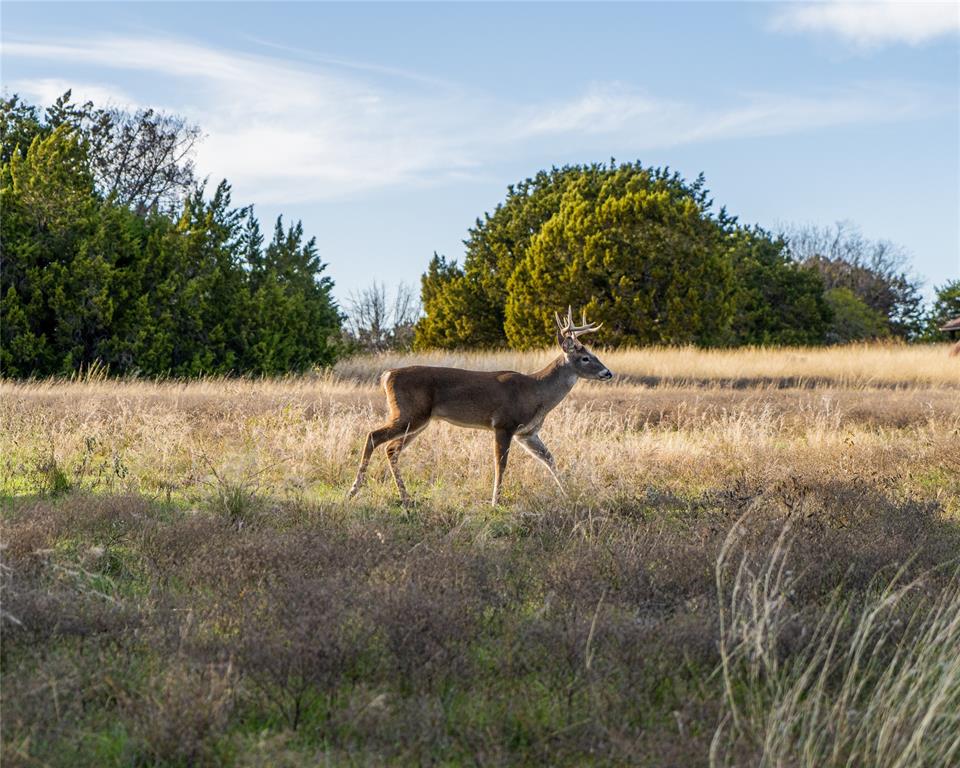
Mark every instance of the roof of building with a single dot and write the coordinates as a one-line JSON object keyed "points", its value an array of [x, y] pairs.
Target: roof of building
{"points": [[951, 325]]}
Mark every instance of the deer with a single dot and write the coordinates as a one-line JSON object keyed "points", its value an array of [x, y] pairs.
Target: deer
{"points": [[513, 405]]}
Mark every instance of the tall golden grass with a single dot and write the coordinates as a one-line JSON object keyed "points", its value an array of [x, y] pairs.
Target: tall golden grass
{"points": [[875, 682], [854, 365], [302, 435]]}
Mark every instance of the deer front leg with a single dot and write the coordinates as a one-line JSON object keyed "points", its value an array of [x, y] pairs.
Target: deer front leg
{"points": [[368, 447], [501, 448], [535, 447]]}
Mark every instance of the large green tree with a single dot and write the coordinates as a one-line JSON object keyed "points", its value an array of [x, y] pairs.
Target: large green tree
{"points": [[467, 306], [776, 300], [295, 321], [645, 261], [55, 282]]}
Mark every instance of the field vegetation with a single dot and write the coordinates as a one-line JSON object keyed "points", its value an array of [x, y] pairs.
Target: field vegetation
{"points": [[755, 564]]}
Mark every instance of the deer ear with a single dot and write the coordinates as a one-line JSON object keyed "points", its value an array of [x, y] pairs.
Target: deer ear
{"points": [[569, 344]]}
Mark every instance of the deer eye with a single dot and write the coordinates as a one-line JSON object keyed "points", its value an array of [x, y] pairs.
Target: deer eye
{"points": [[584, 359]]}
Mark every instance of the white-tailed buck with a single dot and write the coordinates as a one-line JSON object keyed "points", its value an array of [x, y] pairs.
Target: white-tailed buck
{"points": [[511, 404]]}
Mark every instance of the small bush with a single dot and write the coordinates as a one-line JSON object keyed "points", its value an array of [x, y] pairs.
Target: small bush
{"points": [[297, 640], [180, 717], [54, 480]]}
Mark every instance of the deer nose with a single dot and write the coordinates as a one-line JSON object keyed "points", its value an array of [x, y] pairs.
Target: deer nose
{"points": [[606, 374]]}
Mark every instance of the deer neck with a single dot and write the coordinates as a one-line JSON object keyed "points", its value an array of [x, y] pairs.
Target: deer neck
{"points": [[555, 382]]}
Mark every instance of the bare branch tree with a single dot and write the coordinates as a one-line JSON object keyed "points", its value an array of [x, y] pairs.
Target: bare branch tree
{"points": [[143, 159], [377, 322], [876, 271]]}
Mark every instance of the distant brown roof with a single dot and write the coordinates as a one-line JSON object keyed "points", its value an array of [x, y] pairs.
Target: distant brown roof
{"points": [[951, 325]]}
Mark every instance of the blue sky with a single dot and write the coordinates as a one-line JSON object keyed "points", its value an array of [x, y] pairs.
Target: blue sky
{"points": [[388, 128]]}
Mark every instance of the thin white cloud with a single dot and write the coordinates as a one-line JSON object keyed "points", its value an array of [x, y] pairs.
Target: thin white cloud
{"points": [[651, 122], [284, 130], [603, 109], [774, 114], [351, 64], [46, 90], [872, 24]]}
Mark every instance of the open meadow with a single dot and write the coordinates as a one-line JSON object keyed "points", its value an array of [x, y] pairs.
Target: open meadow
{"points": [[755, 563]]}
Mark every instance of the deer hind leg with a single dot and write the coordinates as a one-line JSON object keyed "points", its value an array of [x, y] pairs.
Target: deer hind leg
{"points": [[501, 449], [535, 447], [386, 433], [393, 456]]}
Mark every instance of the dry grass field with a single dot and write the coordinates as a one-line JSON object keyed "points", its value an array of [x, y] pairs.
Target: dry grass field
{"points": [[756, 564]]}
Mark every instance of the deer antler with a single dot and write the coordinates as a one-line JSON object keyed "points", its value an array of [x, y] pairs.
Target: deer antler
{"points": [[567, 328]]}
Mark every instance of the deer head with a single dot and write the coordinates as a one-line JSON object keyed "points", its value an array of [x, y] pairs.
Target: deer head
{"points": [[584, 363]]}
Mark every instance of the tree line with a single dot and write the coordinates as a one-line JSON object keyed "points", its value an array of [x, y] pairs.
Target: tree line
{"points": [[642, 250], [113, 254]]}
